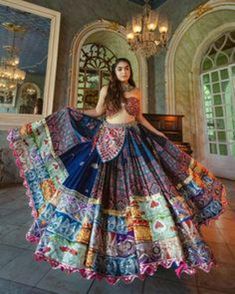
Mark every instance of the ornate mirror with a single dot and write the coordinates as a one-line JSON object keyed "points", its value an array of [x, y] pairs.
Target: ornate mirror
{"points": [[29, 37]]}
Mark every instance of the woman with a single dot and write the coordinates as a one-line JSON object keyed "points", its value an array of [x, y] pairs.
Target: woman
{"points": [[114, 198], [121, 88]]}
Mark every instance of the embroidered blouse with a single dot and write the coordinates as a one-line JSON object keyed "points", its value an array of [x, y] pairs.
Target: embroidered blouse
{"points": [[131, 105]]}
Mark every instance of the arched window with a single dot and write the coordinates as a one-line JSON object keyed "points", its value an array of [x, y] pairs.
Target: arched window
{"points": [[218, 87], [94, 71]]}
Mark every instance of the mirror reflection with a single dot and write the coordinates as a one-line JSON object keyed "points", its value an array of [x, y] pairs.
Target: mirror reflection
{"points": [[24, 39]]}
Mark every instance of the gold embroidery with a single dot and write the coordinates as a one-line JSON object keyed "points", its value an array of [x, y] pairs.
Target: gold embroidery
{"points": [[48, 189], [90, 258], [142, 233], [84, 234]]}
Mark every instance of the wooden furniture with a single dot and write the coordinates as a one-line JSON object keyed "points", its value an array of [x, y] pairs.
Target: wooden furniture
{"points": [[171, 126]]}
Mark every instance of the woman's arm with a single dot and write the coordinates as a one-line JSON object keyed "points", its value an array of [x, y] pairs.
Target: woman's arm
{"points": [[99, 109], [147, 124], [144, 121]]}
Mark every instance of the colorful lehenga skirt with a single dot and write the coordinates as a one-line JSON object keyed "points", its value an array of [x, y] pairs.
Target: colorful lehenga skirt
{"points": [[114, 201]]}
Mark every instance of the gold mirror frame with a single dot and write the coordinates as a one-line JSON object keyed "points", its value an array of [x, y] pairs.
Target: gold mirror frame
{"points": [[11, 120]]}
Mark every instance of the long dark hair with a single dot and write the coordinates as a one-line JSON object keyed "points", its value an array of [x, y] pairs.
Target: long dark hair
{"points": [[115, 93]]}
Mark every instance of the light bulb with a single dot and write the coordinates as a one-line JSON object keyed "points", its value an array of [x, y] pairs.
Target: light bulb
{"points": [[137, 24], [163, 29], [151, 26], [137, 29], [130, 36]]}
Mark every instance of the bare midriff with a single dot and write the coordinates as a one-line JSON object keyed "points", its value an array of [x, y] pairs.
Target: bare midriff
{"points": [[120, 117]]}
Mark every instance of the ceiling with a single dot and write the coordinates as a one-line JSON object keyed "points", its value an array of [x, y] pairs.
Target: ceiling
{"points": [[33, 44], [154, 3]]}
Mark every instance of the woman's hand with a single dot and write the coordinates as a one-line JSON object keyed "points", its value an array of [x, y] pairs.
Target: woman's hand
{"points": [[161, 134], [147, 124]]}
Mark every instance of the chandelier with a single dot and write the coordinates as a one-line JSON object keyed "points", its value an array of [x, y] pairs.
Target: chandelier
{"points": [[10, 73], [147, 33]]}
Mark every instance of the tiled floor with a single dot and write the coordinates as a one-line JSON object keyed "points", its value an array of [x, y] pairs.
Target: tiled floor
{"points": [[20, 274]]}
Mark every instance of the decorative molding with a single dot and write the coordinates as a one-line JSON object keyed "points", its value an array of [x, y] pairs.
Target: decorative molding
{"points": [[114, 26], [10, 120], [202, 9], [75, 51]]}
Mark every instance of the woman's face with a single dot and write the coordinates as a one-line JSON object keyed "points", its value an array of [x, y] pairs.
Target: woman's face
{"points": [[123, 71]]}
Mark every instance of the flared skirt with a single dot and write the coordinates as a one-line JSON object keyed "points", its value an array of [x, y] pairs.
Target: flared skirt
{"points": [[114, 201]]}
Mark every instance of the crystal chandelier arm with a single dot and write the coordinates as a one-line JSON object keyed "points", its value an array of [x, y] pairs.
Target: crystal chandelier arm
{"points": [[148, 32]]}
